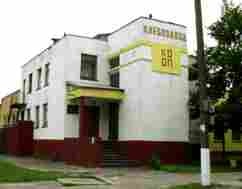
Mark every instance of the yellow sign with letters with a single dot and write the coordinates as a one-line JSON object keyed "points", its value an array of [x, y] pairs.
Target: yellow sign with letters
{"points": [[166, 59]]}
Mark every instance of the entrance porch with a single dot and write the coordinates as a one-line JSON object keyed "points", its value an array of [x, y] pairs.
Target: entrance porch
{"points": [[98, 125]]}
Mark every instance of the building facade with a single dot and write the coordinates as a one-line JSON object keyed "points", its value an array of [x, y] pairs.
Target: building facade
{"points": [[129, 87], [7, 115]]}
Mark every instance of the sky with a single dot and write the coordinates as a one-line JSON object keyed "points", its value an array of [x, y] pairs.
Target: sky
{"points": [[27, 26]]}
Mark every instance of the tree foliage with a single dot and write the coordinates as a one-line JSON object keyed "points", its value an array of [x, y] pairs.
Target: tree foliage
{"points": [[224, 63], [224, 60]]}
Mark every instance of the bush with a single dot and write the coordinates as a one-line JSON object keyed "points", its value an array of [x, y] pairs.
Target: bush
{"points": [[155, 162]]}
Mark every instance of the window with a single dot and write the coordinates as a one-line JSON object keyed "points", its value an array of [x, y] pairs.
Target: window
{"points": [[28, 114], [114, 76], [39, 78], [37, 117], [45, 115], [88, 67], [47, 74], [114, 62], [114, 79], [30, 83], [24, 86]]}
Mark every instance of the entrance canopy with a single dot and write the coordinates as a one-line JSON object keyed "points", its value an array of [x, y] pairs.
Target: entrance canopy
{"points": [[83, 89]]}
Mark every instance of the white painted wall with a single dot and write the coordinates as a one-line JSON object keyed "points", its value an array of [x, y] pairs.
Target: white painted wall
{"points": [[77, 46], [155, 108], [53, 94]]}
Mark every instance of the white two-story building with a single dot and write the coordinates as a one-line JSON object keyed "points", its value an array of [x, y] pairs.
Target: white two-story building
{"points": [[126, 90]]}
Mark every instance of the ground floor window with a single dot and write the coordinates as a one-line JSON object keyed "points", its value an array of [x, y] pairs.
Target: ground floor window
{"points": [[37, 117], [45, 115], [28, 114]]}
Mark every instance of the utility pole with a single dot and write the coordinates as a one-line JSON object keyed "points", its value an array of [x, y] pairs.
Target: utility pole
{"points": [[205, 156]]}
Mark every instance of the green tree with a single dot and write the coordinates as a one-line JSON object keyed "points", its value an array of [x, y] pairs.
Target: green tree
{"points": [[224, 62]]}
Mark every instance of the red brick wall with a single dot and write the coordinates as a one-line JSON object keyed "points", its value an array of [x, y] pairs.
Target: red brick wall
{"points": [[19, 139], [169, 152], [70, 150], [81, 152], [49, 149]]}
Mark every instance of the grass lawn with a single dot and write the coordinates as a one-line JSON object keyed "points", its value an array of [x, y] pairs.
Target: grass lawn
{"points": [[196, 169], [198, 186], [11, 173]]}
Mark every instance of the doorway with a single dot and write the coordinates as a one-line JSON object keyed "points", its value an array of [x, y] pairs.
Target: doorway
{"points": [[93, 114], [113, 121]]}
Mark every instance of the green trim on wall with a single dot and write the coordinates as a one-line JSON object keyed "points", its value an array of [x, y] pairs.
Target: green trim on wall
{"points": [[139, 43], [130, 47], [129, 63], [77, 92]]}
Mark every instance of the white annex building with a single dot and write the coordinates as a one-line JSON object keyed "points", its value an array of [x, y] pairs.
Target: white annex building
{"points": [[126, 90]]}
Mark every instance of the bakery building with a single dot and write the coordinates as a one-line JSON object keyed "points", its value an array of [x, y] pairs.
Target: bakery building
{"points": [[125, 92]]}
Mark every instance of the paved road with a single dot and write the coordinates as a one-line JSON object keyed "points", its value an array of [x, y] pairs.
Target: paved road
{"points": [[125, 178], [131, 179]]}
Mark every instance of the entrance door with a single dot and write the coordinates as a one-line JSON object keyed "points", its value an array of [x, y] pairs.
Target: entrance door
{"points": [[93, 121], [113, 121]]}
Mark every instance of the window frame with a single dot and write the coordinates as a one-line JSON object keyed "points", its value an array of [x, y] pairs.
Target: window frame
{"points": [[87, 65], [37, 116], [39, 74], [24, 90], [114, 76], [28, 114], [30, 86], [45, 115], [47, 75], [115, 79]]}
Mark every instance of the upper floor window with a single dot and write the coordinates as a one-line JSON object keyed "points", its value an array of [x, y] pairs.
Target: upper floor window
{"points": [[114, 62], [39, 72], [114, 76], [30, 83], [47, 74], [88, 67], [24, 87], [114, 79]]}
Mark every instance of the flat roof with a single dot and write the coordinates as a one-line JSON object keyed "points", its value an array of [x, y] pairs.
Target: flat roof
{"points": [[93, 38], [146, 18]]}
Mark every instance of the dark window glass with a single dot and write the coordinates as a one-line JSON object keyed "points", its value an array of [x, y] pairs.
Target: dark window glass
{"points": [[37, 117], [24, 87], [114, 79], [39, 78], [114, 62], [88, 67], [47, 74], [45, 115], [30, 83], [28, 114]]}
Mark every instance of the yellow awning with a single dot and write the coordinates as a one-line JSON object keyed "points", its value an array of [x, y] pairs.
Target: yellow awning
{"points": [[104, 93]]}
